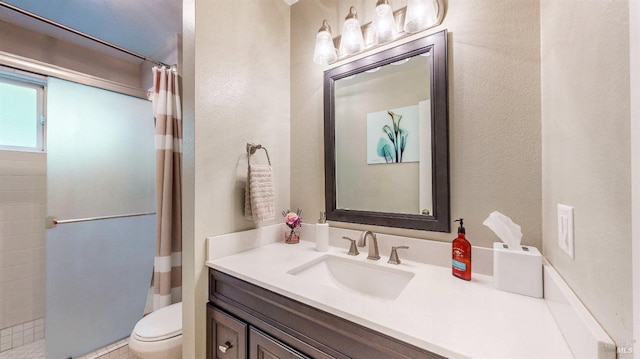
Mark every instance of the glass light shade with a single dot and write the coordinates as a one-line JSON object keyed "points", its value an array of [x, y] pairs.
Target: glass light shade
{"points": [[420, 15], [352, 41], [384, 24], [324, 52]]}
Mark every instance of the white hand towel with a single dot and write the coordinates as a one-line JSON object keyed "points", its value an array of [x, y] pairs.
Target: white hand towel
{"points": [[259, 202]]}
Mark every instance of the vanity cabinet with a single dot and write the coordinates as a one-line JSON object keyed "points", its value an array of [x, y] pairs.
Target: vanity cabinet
{"points": [[230, 338], [263, 346], [248, 321], [227, 336]]}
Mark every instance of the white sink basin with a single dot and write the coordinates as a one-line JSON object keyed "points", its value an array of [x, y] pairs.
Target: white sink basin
{"points": [[352, 275]]}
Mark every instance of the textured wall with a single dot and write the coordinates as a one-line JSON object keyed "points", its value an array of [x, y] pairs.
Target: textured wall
{"points": [[494, 112], [586, 152], [242, 91], [193, 293]]}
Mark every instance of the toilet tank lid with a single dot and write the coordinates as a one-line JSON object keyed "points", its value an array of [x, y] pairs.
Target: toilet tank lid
{"points": [[162, 324]]}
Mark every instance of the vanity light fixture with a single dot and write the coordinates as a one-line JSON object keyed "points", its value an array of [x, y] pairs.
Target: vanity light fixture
{"points": [[325, 51], [352, 41], [386, 26], [420, 15]]}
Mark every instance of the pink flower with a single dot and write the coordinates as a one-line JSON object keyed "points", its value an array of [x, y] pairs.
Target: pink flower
{"points": [[292, 219]]}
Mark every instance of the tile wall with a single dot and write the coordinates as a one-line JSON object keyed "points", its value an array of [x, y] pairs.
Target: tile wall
{"points": [[34, 350], [21, 334], [22, 243]]}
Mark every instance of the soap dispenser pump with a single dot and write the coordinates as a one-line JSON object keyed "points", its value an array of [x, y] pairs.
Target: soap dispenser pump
{"points": [[461, 254], [322, 234]]}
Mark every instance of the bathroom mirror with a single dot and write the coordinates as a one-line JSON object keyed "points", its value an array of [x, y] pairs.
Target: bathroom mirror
{"points": [[386, 137]]}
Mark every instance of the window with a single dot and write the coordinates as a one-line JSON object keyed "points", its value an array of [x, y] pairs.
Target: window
{"points": [[21, 111]]}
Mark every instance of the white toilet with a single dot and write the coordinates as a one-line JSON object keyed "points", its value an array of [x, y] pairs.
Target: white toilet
{"points": [[159, 334]]}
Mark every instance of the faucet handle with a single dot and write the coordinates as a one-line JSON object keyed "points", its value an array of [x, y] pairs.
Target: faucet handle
{"points": [[353, 250], [393, 257]]}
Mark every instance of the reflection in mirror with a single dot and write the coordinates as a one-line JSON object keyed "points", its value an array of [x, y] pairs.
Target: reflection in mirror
{"points": [[393, 135], [386, 145]]}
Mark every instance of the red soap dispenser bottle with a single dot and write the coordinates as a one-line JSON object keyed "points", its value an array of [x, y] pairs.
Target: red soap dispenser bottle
{"points": [[461, 254]]}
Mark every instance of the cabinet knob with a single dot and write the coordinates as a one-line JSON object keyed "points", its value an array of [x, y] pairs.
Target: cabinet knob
{"points": [[224, 347]]}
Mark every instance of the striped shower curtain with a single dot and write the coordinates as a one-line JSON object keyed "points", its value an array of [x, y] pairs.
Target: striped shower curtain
{"points": [[167, 273]]}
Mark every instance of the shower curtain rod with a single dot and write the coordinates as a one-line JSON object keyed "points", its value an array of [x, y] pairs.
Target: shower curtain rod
{"points": [[79, 33]]}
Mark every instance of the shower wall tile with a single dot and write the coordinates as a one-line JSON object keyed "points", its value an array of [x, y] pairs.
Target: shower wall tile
{"points": [[21, 242], [21, 167], [22, 245], [21, 334], [22, 212]]}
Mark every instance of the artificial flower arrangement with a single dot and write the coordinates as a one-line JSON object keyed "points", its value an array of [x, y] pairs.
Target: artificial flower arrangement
{"points": [[293, 221]]}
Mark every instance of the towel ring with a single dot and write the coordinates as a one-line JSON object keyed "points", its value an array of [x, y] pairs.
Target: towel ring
{"points": [[251, 149]]}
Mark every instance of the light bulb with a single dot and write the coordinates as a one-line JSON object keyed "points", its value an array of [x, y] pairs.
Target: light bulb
{"points": [[351, 41], [324, 52], [420, 15], [383, 23]]}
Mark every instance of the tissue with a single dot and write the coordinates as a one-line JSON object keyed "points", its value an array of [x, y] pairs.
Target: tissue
{"points": [[516, 268], [509, 232]]}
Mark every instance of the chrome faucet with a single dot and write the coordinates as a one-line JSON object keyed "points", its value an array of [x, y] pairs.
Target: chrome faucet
{"points": [[373, 245]]}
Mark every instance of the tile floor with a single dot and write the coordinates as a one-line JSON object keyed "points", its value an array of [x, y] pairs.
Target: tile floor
{"points": [[35, 350], [117, 350], [21, 334]]}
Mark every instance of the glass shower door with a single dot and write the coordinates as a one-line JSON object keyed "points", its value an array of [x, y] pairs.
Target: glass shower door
{"points": [[101, 191]]}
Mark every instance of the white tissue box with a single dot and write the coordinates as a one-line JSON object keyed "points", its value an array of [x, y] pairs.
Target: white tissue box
{"points": [[517, 271]]}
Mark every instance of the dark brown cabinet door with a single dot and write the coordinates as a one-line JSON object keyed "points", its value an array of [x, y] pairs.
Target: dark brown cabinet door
{"points": [[228, 336], [262, 346]]}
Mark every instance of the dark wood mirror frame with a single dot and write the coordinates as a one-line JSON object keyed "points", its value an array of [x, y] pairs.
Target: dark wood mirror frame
{"points": [[439, 220]]}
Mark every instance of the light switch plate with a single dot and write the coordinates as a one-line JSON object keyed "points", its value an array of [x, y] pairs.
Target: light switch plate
{"points": [[565, 229]]}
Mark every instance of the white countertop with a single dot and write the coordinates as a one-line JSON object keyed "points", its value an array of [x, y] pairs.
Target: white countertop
{"points": [[436, 311]]}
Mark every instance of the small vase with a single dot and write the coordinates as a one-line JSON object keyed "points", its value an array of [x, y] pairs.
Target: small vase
{"points": [[292, 236]]}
